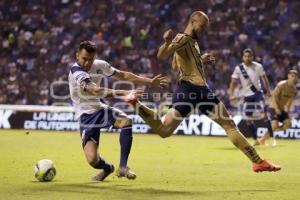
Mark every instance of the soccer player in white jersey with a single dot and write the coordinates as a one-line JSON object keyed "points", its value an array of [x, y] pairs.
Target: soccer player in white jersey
{"points": [[84, 83], [249, 73]]}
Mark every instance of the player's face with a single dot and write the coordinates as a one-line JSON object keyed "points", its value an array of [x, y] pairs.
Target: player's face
{"points": [[247, 58], [85, 59], [199, 24], [293, 77]]}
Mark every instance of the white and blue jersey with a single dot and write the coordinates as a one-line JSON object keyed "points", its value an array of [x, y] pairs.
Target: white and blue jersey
{"points": [[82, 101], [254, 71], [253, 98]]}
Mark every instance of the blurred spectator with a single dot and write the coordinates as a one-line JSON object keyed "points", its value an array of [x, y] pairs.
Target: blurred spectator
{"points": [[39, 38]]}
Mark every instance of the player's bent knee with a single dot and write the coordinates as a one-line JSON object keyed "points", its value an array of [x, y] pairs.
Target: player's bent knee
{"points": [[129, 121], [164, 133], [124, 122]]}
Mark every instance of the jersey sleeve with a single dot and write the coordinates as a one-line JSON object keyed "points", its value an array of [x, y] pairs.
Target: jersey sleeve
{"points": [[106, 68], [79, 75], [179, 42], [261, 70], [236, 73]]}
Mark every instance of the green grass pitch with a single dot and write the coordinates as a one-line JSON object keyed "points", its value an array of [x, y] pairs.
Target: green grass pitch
{"points": [[174, 168]]}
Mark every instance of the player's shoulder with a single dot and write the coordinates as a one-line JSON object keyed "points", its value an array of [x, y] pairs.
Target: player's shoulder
{"points": [[75, 68], [281, 83], [237, 68], [180, 38], [257, 64], [100, 63]]}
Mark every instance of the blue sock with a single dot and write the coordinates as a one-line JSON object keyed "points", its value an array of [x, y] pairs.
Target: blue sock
{"points": [[252, 129], [269, 126], [125, 142], [102, 164]]}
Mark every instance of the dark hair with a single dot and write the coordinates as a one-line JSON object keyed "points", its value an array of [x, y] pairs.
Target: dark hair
{"points": [[248, 50], [89, 46]]}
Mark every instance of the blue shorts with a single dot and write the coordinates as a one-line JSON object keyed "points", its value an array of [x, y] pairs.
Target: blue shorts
{"points": [[90, 124], [190, 97], [254, 103]]}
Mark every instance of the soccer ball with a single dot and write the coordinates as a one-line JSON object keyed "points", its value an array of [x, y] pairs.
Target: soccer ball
{"points": [[44, 170]]}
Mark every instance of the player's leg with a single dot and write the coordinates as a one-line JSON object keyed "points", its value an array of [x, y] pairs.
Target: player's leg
{"points": [[248, 112], [220, 115], [268, 123], [94, 160], [125, 124], [285, 125], [90, 125], [165, 126], [120, 120], [90, 148], [253, 129], [275, 126], [284, 118]]}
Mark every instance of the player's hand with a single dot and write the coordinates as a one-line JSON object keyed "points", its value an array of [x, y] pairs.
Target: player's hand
{"points": [[168, 36], [208, 58], [159, 81], [138, 92]]}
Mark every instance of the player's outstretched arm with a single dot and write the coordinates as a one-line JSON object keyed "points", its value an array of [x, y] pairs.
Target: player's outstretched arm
{"points": [[157, 81], [93, 89]]}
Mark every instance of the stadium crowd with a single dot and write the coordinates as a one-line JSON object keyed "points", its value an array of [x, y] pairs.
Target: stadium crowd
{"points": [[39, 38]]}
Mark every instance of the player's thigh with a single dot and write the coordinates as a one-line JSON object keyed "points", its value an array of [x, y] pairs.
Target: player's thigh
{"points": [[275, 124], [122, 121], [91, 151], [221, 116], [172, 119], [117, 118]]}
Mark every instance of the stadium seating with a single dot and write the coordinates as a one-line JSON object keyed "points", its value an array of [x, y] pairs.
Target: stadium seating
{"points": [[39, 39]]}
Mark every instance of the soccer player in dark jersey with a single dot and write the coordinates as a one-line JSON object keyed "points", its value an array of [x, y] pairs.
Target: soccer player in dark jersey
{"points": [[193, 92], [282, 99]]}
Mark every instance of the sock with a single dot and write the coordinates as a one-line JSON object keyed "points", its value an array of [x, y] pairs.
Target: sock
{"points": [[252, 129], [102, 164], [241, 142], [125, 143], [269, 126]]}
